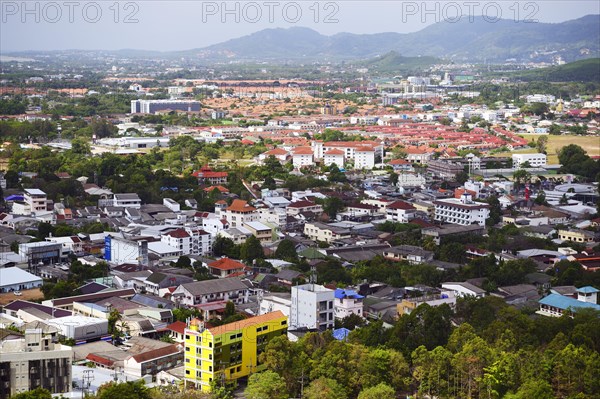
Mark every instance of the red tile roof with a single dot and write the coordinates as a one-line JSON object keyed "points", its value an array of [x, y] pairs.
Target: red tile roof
{"points": [[240, 206], [303, 151], [179, 233], [226, 264], [178, 327], [334, 151]]}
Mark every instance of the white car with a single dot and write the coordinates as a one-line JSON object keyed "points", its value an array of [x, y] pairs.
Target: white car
{"points": [[18, 293]]}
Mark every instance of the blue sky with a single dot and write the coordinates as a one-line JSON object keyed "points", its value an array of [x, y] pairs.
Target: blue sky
{"points": [[179, 25]]}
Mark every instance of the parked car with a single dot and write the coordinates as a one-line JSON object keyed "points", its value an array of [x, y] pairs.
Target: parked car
{"points": [[18, 293]]}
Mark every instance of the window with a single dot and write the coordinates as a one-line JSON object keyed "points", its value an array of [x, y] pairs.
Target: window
{"points": [[187, 337]]}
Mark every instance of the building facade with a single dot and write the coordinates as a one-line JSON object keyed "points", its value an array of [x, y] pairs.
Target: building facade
{"points": [[228, 352], [312, 307]]}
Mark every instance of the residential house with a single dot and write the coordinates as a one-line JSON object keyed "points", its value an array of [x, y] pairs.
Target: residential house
{"points": [[226, 289]]}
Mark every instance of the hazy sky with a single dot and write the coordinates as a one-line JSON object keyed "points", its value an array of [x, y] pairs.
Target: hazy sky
{"points": [[179, 25]]}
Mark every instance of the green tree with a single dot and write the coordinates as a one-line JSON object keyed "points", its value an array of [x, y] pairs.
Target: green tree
{"points": [[286, 250], [124, 390], [38, 393], [380, 391], [251, 250], [325, 388], [80, 146], [266, 385], [332, 206], [542, 144]]}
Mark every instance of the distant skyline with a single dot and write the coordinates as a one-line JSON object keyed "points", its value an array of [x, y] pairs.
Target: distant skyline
{"points": [[182, 25]]}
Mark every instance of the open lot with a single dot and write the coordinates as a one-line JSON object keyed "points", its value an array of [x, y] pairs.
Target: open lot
{"points": [[28, 295], [591, 144]]}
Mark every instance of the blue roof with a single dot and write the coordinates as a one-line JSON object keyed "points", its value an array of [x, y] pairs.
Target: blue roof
{"points": [[342, 293], [15, 197], [566, 302], [587, 290], [341, 333]]}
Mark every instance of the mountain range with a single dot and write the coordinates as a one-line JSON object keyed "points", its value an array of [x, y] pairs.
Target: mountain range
{"points": [[474, 41]]}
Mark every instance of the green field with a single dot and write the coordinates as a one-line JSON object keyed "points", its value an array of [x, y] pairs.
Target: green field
{"points": [[591, 144]]}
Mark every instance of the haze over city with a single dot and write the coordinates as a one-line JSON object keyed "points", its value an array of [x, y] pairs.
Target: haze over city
{"points": [[181, 25]]}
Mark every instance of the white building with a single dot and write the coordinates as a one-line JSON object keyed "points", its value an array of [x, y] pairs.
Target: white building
{"points": [[535, 160], [312, 307], [36, 200], [80, 328], [465, 289], [275, 302], [15, 279], [541, 98], [400, 211], [461, 211], [120, 250], [239, 213], [127, 200], [302, 156], [334, 156], [347, 302], [364, 158]]}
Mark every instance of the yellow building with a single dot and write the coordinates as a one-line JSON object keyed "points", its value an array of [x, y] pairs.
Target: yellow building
{"points": [[228, 352]]}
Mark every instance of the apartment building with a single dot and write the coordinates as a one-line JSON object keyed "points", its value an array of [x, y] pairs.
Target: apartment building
{"points": [[302, 156], [461, 211], [33, 361], [239, 213], [322, 232], [535, 160], [400, 211], [231, 351], [36, 200], [312, 307]]}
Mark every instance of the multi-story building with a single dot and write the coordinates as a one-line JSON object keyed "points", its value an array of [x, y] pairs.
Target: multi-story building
{"points": [[127, 200], [347, 302], [325, 233], [535, 160], [302, 156], [303, 206], [461, 211], [364, 158], [400, 211], [36, 200], [34, 361], [239, 212], [576, 235], [334, 156], [444, 169], [231, 351], [191, 241], [312, 307], [153, 106]]}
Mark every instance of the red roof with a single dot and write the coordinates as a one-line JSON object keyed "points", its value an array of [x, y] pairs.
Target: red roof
{"points": [[240, 206], [179, 233], [400, 205], [303, 151], [226, 264], [220, 188], [334, 151], [99, 359], [301, 204], [156, 353], [276, 151], [399, 162], [178, 327]]}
